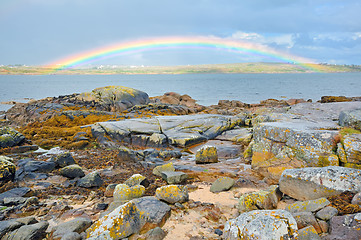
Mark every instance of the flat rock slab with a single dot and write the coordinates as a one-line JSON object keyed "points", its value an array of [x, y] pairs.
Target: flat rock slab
{"points": [[313, 183], [181, 131]]}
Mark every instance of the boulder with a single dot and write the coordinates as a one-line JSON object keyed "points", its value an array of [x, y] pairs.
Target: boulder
{"points": [[207, 155], [308, 233], [72, 171], [15, 192], [307, 206], [172, 193], [350, 151], [222, 184], [263, 199], [30, 165], [28, 232], [180, 131], [326, 213], [7, 170], [8, 226], [163, 168], [137, 179], [313, 183], [344, 227], [91, 180], [262, 225], [10, 137], [305, 219], [115, 98], [124, 221], [351, 118], [123, 192], [154, 212], [238, 135], [172, 177], [292, 143], [63, 159], [77, 225]]}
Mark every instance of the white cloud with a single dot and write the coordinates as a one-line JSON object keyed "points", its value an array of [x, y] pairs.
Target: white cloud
{"points": [[285, 40]]}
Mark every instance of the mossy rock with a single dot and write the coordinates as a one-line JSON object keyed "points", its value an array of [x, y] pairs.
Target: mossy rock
{"points": [[123, 192], [10, 137], [7, 170], [207, 155], [172, 193]]}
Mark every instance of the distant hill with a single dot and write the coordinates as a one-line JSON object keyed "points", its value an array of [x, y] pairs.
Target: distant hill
{"points": [[205, 68]]}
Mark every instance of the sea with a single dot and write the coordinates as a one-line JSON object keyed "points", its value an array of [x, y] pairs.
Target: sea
{"points": [[207, 89]]}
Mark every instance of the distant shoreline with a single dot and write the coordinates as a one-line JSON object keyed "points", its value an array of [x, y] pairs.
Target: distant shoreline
{"points": [[247, 68]]}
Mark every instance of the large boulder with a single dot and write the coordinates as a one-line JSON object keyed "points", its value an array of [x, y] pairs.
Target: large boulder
{"points": [[292, 144], [181, 131], [262, 225], [313, 183], [351, 118], [115, 98], [10, 137]]}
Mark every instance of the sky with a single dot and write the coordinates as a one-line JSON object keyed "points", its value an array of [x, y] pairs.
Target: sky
{"points": [[39, 32]]}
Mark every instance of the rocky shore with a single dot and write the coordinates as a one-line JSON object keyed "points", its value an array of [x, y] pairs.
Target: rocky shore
{"points": [[115, 163]]}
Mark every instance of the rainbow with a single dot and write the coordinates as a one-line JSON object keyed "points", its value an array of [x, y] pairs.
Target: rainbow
{"points": [[160, 43]]}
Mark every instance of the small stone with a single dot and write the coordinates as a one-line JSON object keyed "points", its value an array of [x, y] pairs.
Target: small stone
{"points": [[71, 236], [323, 225], [172, 193], [222, 184], [11, 201], [100, 206], [123, 192], [172, 177], [72, 171], [308, 206], [91, 180], [110, 190], [32, 201], [179, 205], [163, 168], [327, 213], [207, 155], [137, 179], [219, 232], [305, 219], [356, 199], [155, 234], [63, 159], [358, 217], [308, 233]]}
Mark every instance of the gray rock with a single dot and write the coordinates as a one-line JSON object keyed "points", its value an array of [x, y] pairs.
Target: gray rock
{"points": [[327, 213], [123, 192], [71, 236], [207, 155], [155, 234], [261, 224], [182, 131], [352, 151], [91, 180], [307, 206], [10, 201], [313, 183], [28, 232], [110, 190], [238, 135], [222, 184], [174, 177], [29, 165], [305, 219], [172, 193], [137, 179], [27, 220], [7, 170], [77, 225], [15, 192], [351, 118], [308, 233], [63, 159], [356, 199], [72, 171], [126, 154], [155, 212], [8, 226], [344, 227], [10, 137]]}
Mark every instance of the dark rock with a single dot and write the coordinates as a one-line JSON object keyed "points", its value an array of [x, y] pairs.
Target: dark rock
{"points": [[344, 227], [10, 137], [30, 165], [63, 159], [219, 232], [28, 232], [8, 226], [72, 171], [100, 206], [27, 220], [91, 180], [155, 234], [71, 236], [15, 192]]}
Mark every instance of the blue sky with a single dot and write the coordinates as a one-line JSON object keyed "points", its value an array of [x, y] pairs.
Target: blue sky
{"points": [[41, 31]]}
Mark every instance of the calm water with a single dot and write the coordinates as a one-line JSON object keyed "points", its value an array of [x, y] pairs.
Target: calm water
{"points": [[206, 88]]}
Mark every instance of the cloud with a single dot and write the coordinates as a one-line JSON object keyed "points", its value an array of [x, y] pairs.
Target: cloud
{"points": [[276, 40]]}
